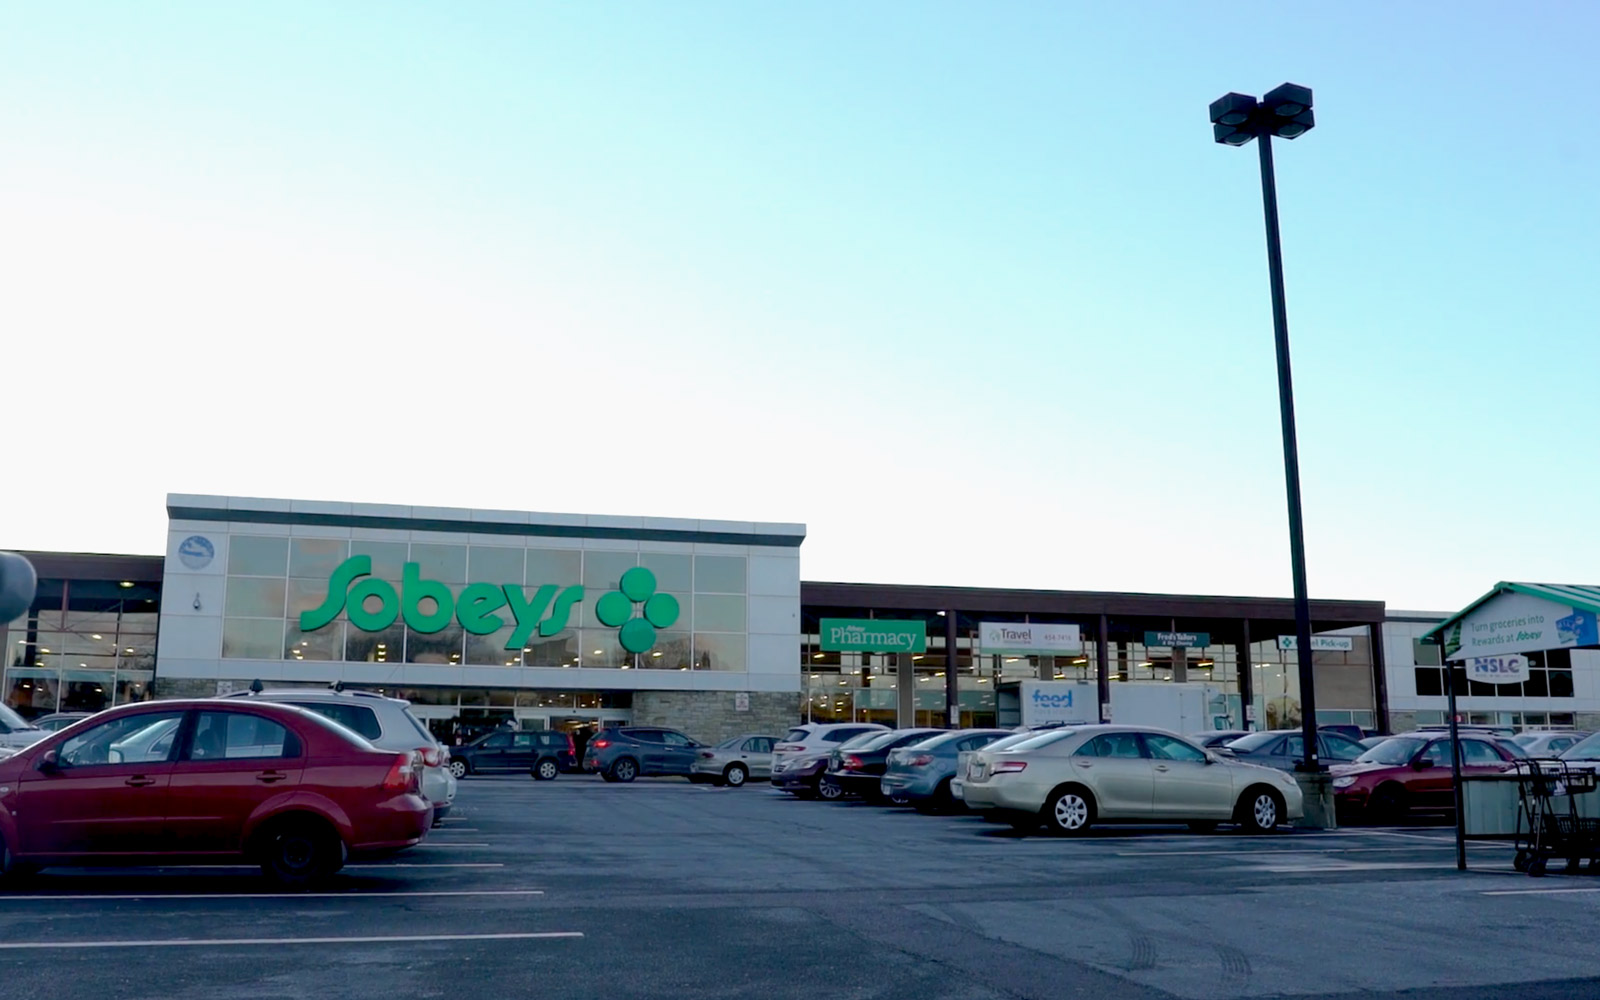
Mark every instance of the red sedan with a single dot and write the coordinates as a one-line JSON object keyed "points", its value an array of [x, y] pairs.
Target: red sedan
{"points": [[1411, 773], [208, 782]]}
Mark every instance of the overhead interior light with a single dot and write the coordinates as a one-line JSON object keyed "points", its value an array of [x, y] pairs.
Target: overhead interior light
{"points": [[125, 584], [97, 637]]}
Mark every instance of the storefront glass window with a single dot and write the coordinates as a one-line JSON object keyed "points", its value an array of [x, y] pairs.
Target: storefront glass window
{"points": [[442, 647], [562, 567], [672, 651], [252, 638], [498, 564], [602, 571], [445, 563], [719, 574], [719, 613], [490, 650], [254, 597], [388, 558], [326, 643], [559, 650], [601, 648], [387, 646], [316, 557], [719, 652], [674, 571], [255, 555]]}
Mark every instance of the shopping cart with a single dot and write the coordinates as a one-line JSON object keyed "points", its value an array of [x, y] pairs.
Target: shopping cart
{"points": [[1548, 824]]}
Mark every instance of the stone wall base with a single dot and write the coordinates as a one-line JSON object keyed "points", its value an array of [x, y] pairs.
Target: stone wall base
{"points": [[713, 716]]}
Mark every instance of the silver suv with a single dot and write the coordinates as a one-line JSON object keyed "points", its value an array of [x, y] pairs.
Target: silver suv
{"points": [[387, 723], [799, 758]]}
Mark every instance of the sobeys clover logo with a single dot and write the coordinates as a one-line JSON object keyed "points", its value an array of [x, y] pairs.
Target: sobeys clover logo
{"points": [[615, 610], [373, 604]]}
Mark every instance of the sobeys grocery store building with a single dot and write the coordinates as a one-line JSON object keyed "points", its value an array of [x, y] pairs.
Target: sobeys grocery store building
{"points": [[571, 621]]}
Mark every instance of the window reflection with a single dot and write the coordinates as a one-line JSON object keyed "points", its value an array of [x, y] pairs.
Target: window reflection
{"points": [[719, 574], [255, 555], [442, 647]]}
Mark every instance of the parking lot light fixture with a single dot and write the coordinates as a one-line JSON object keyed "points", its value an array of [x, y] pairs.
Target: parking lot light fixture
{"points": [[1237, 119]]}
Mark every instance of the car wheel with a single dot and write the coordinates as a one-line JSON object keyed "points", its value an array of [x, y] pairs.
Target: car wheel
{"points": [[1070, 811], [735, 775], [1203, 826], [299, 852], [13, 871], [624, 770], [459, 768], [1260, 810], [1388, 805], [829, 791], [546, 770]]}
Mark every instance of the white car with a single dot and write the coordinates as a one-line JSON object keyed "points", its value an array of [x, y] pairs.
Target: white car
{"points": [[387, 723], [17, 732], [1071, 778], [799, 759]]}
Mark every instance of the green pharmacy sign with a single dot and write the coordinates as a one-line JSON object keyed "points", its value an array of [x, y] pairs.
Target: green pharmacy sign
{"points": [[873, 635], [352, 589]]}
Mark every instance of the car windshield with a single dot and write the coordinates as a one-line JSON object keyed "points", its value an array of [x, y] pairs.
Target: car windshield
{"points": [[1512, 748], [1007, 742], [1395, 751], [1253, 742], [878, 741], [14, 721], [797, 736], [1586, 749], [730, 742]]}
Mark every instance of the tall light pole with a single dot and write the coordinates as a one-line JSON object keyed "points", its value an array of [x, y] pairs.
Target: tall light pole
{"points": [[1236, 119]]}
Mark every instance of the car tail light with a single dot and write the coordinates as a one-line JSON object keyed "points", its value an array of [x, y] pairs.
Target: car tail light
{"points": [[402, 776], [921, 760], [1010, 766], [788, 748], [431, 756], [851, 763], [706, 755], [599, 744]]}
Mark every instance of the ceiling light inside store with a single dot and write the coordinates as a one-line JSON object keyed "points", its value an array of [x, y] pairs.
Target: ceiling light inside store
{"points": [[96, 637], [125, 584], [817, 656], [1080, 661], [1147, 663], [656, 653], [599, 652]]}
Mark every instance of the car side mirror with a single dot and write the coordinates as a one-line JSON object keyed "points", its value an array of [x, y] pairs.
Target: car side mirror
{"points": [[49, 761], [1422, 765]]}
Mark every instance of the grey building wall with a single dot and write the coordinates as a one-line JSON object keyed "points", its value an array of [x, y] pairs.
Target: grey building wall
{"points": [[713, 716]]}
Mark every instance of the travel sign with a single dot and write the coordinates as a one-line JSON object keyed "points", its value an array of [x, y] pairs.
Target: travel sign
{"points": [[482, 608]]}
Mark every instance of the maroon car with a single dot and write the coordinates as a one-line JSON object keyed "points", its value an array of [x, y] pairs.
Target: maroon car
{"points": [[1411, 773], [208, 782]]}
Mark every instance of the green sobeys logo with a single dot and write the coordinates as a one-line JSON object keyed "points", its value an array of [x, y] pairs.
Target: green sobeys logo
{"points": [[352, 586]]}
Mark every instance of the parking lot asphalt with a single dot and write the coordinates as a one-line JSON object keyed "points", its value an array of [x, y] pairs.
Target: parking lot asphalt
{"points": [[576, 888]]}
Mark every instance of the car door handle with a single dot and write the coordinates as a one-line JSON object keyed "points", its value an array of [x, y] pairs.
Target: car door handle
{"points": [[1162, 767], [139, 781], [268, 777]]}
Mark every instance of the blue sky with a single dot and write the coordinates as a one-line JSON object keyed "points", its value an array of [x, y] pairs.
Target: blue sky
{"points": [[967, 288]]}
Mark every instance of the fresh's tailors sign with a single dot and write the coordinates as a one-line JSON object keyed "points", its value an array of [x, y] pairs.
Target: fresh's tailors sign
{"points": [[1032, 637], [1514, 622], [428, 606], [872, 635]]}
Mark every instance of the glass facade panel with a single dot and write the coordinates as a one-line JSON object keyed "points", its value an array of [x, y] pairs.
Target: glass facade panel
{"points": [[445, 563], [559, 650], [672, 651], [562, 567], [316, 557], [718, 613], [388, 558], [443, 646], [326, 643], [490, 650], [255, 555], [674, 572], [600, 648], [719, 574], [719, 652], [307, 595], [254, 597], [252, 638], [387, 646], [496, 564], [602, 571]]}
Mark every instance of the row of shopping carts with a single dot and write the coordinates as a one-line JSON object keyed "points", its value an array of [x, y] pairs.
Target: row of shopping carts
{"points": [[1549, 826]]}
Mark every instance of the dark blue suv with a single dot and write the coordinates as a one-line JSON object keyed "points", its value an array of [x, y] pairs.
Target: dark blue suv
{"points": [[625, 753]]}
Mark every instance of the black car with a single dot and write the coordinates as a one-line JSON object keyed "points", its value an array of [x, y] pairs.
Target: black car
{"points": [[856, 770], [543, 753], [628, 752]]}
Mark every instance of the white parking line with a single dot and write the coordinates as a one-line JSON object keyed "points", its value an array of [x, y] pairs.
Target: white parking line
{"points": [[1535, 892], [290, 895], [234, 942], [452, 844], [455, 829], [1366, 866], [430, 864], [1245, 852]]}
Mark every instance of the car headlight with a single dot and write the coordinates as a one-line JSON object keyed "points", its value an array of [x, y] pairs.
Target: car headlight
{"points": [[1344, 782]]}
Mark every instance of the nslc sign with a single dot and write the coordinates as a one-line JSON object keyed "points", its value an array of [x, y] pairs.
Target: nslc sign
{"points": [[428, 606]]}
